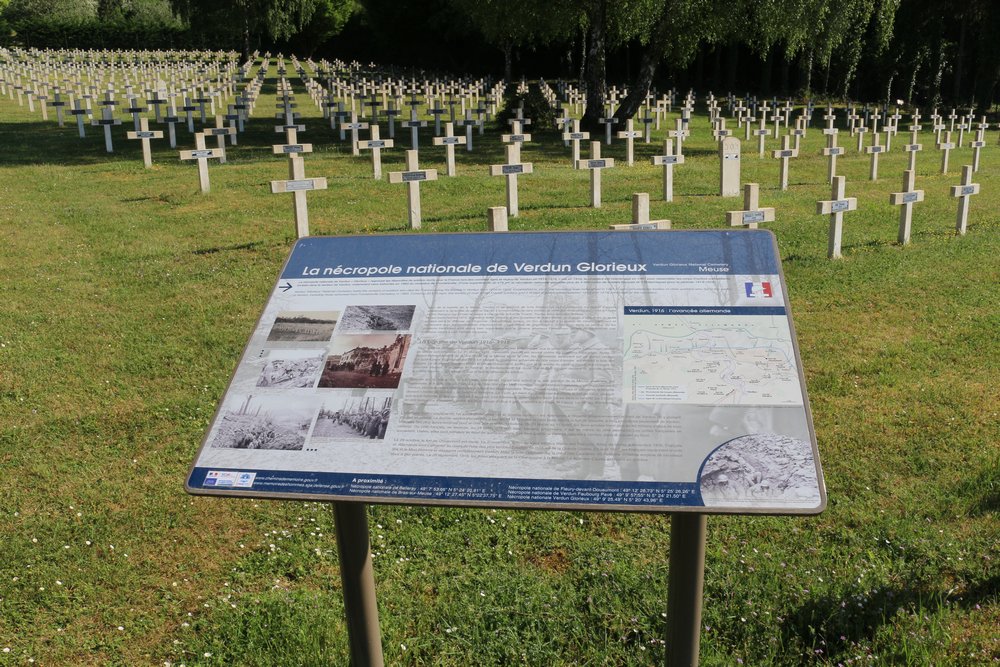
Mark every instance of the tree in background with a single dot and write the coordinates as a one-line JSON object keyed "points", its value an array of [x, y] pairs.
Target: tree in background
{"points": [[510, 26], [246, 22]]}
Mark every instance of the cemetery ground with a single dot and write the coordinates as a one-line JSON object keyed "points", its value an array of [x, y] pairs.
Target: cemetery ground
{"points": [[128, 297]]}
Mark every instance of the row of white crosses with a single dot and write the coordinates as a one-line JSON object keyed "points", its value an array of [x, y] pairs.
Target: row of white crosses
{"points": [[85, 81]]}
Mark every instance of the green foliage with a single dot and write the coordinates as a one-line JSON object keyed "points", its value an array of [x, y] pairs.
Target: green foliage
{"points": [[536, 109], [92, 33]]}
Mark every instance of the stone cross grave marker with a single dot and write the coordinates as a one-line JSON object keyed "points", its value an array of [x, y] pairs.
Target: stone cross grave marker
{"points": [[608, 121], [235, 119], [938, 126], [729, 167], [412, 176], [945, 147], [647, 121], [107, 121], [835, 208], [449, 141], [914, 147], [640, 216], [830, 117], [906, 199], [144, 134], [861, 130], [390, 114], [354, 126], [437, 111], [202, 155], [679, 134], [220, 132], [155, 101], [468, 122], [720, 131], [979, 142], [414, 124], [79, 111], [172, 119], [752, 213], [832, 150], [963, 191], [375, 145], [595, 164], [517, 135], [874, 150], [786, 153], [136, 110], [574, 136], [668, 160], [510, 171], [298, 185], [58, 103], [629, 135], [762, 132]]}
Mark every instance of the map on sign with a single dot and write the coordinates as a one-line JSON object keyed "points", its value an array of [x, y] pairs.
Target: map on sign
{"points": [[640, 371], [741, 360]]}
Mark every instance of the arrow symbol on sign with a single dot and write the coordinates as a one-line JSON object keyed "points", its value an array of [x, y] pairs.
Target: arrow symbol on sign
{"points": [[285, 287]]}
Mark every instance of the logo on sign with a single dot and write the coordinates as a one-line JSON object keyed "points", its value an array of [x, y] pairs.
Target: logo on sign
{"points": [[758, 290]]}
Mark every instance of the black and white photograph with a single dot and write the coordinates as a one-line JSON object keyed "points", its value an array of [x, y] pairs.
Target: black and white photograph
{"points": [[377, 318], [303, 326], [264, 422], [373, 361], [291, 369], [362, 416]]}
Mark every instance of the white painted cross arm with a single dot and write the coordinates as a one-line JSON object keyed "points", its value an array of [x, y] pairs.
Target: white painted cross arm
{"points": [[298, 185], [292, 149], [511, 169], [595, 163], [836, 205], [413, 176]]}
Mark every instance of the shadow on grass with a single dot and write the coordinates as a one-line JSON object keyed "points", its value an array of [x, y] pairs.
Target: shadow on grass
{"points": [[845, 622], [253, 245]]}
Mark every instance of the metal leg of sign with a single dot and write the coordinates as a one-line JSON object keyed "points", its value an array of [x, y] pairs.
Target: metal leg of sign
{"points": [[686, 579], [351, 521]]}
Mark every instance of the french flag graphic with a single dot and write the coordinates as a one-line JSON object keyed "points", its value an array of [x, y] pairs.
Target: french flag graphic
{"points": [[755, 290]]}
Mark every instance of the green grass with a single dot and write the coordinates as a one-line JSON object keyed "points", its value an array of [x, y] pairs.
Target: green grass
{"points": [[128, 297]]}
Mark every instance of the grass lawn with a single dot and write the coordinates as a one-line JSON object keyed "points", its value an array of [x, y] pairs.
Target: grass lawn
{"points": [[128, 297]]}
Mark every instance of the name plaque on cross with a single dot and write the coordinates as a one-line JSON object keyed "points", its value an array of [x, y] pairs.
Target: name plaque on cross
{"points": [[410, 176], [753, 216], [385, 415], [910, 197], [511, 169], [596, 164], [840, 205]]}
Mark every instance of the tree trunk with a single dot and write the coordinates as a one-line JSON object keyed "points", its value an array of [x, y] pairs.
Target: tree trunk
{"points": [[732, 62], [639, 87], [596, 86], [583, 56], [765, 79], [959, 59], [508, 62]]}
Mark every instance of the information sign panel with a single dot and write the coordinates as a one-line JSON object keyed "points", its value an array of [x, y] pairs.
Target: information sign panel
{"points": [[584, 370]]}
